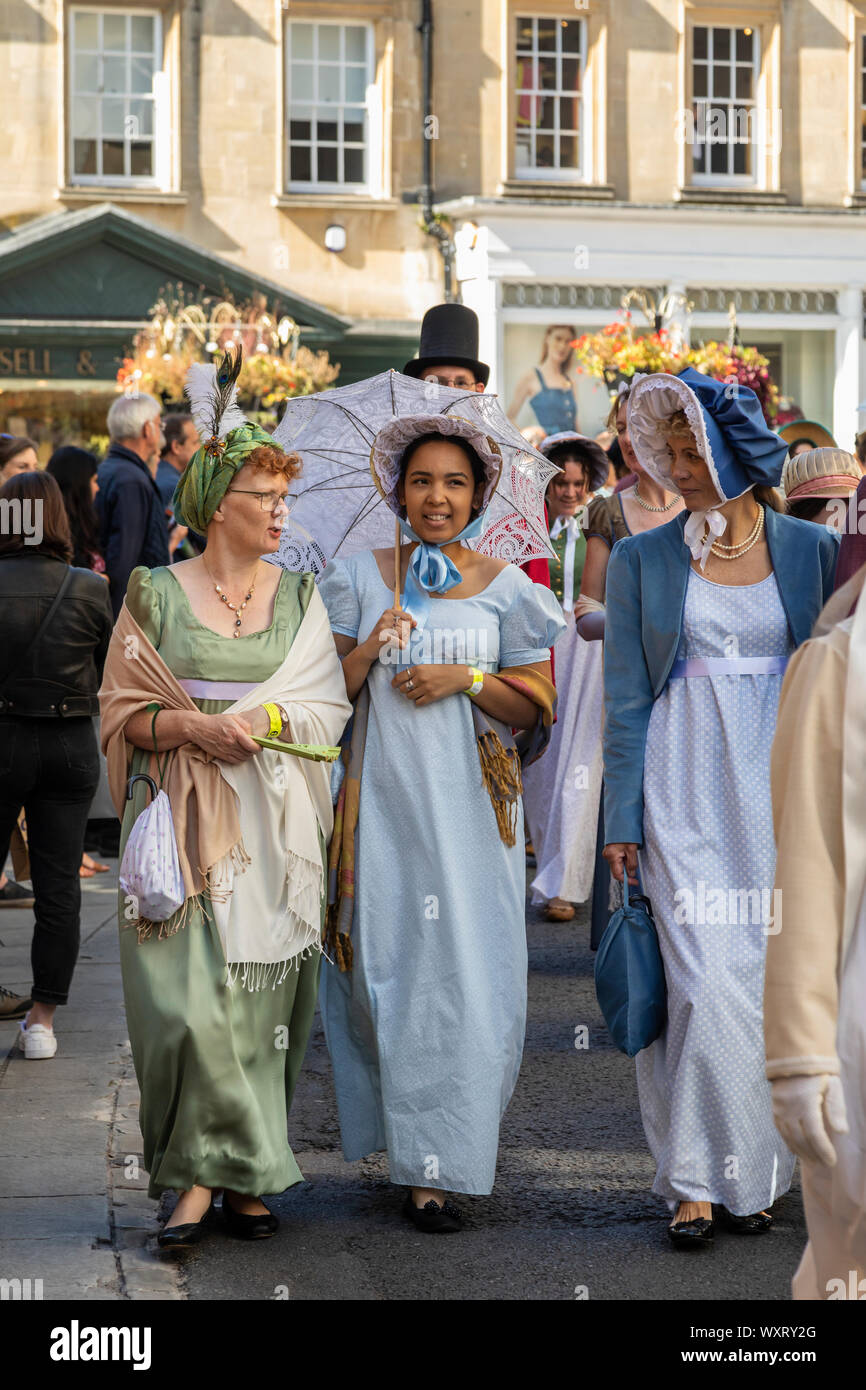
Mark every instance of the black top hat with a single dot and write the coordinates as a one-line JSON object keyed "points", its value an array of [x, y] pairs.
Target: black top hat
{"points": [[449, 337]]}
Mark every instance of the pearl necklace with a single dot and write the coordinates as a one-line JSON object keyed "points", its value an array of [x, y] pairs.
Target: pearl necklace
{"points": [[646, 505], [735, 552], [237, 608]]}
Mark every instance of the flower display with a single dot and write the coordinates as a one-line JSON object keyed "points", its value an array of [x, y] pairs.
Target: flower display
{"points": [[181, 332], [616, 353]]}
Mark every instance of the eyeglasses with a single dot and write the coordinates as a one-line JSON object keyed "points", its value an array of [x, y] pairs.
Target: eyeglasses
{"points": [[270, 501]]}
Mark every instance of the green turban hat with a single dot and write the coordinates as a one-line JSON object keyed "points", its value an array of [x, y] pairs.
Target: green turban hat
{"points": [[209, 473]]}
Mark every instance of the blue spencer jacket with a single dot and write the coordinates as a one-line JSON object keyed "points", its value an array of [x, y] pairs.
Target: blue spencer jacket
{"points": [[647, 578]]}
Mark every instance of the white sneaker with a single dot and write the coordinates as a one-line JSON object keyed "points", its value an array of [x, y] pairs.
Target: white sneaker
{"points": [[37, 1041]]}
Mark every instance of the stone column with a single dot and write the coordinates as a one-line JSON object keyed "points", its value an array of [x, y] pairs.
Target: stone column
{"points": [[849, 365]]}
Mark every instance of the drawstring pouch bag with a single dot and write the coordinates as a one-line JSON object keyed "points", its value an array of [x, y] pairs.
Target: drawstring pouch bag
{"points": [[630, 977], [150, 870]]}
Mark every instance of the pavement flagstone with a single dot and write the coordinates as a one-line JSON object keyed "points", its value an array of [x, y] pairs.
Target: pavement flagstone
{"points": [[75, 1217]]}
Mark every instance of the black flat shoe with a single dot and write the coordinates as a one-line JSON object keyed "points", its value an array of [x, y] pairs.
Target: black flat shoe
{"points": [[432, 1218], [183, 1236], [256, 1227], [689, 1235], [754, 1225]]}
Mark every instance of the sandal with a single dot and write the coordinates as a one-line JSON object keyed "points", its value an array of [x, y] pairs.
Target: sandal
{"points": [[558, 910], [93, 865]]}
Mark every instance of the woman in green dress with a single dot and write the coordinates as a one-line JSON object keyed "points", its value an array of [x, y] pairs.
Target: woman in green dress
{"points": [[220, 997]]}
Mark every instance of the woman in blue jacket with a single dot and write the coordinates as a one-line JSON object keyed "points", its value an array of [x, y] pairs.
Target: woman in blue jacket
{"points": [[702, 616]]}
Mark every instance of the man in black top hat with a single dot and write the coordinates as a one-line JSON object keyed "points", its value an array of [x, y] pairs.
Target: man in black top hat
{"points": [[448, 352]]}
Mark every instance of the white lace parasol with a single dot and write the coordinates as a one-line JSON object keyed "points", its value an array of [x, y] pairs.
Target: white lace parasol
{"points": [[339, 510]]}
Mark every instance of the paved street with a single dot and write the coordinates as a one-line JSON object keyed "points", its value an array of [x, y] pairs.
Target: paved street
{"points": [[571, 1215]]}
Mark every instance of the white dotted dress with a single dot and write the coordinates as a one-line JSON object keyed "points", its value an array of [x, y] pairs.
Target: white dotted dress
{"points": [[707, 867]]}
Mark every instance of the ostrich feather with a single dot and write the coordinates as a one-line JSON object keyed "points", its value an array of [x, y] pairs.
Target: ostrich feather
{"points": [[213, 394]]}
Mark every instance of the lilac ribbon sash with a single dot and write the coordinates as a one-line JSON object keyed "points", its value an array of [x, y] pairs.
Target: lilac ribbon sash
{"points": [[217, 690], [730, 666]]}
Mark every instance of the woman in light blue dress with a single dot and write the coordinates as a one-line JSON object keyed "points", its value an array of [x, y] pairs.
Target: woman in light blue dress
{"points": [[426, 1027], [702, 615]]}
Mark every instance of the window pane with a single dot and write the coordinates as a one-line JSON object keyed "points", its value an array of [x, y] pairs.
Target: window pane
{"points": [[568, 151], [329, 84], [547, 73], [356, 44], [326, 130], [699, 41], [721, 44], [570, 31], [700, 156], [547, 35], [114, 31], [721, 82], [141, 74], [113, 112], [699, 80], [526, 74], [329, 42], [140, 118], [741, 159], [327, 165], [745, 44], [523, 33], [301, 82], [85, 72], [112, 158], [114, 74], [570, 75], [86, 33], [84, 156], [141, 159], [718, 159], [142, 33], [353, 125], [299, 130], [301, 169], [85, 117], [568, 113], [523, 150], [744, 82], [353, 165], [544, 151], [356, 84], [301, 36], [545, 116]]}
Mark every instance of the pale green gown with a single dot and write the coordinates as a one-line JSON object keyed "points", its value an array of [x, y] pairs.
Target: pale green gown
{"points": [[216, 1066]]}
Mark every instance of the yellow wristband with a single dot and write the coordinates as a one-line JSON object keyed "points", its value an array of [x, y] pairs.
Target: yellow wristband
{"points": [[276, 719], [477, 682]]}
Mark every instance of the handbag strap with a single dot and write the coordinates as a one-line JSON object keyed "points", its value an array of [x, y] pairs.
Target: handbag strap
{"points": [[157, 709], [40, 631]]}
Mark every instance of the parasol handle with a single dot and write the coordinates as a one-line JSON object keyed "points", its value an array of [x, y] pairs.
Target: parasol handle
{"points": [[397, 539]]}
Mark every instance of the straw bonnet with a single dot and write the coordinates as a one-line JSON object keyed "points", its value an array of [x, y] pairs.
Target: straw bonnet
{"points": [[820, 473], [809, 432], [393, 440]]}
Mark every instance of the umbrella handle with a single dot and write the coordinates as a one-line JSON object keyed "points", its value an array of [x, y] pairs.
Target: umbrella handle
{"points": [[397, 539]]}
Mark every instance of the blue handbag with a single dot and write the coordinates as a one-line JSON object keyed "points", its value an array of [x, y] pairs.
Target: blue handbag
{"points": [[630, 977]]}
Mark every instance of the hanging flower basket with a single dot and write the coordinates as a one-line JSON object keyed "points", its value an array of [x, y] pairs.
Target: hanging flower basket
{"points": [[615, 353]]}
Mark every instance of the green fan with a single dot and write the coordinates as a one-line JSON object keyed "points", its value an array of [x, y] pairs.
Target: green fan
{"points": [[317, 753]]}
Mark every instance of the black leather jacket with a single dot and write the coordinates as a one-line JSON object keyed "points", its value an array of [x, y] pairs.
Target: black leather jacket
{"points": [[61, 678]]}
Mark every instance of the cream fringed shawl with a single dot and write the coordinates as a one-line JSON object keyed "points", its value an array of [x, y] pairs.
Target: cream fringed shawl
{"points": [[247, 833]]}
